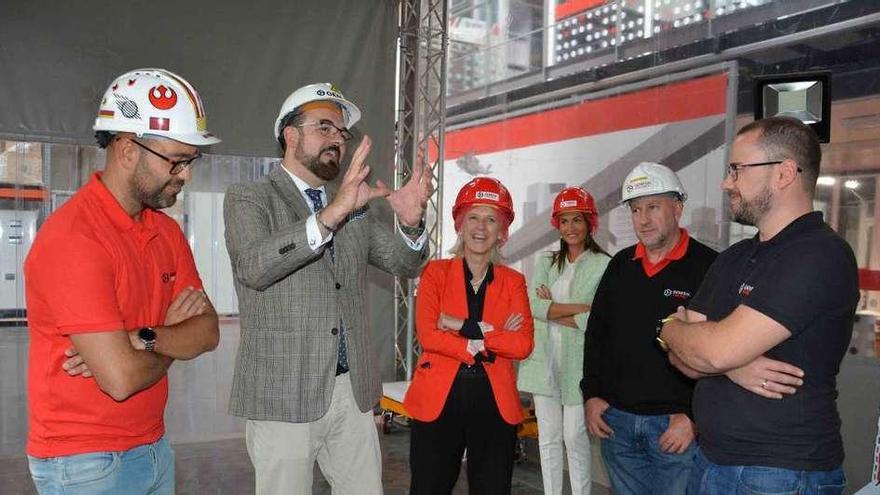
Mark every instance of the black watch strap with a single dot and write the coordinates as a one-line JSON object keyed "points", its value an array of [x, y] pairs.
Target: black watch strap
{"points": [[413, 231]]}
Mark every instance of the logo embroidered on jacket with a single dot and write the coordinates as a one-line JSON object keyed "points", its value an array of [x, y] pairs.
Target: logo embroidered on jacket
{"points": [[678, 294], [169, 277], [745, 289]]}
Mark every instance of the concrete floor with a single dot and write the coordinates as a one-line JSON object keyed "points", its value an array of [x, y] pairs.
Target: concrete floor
{"points": [[223, 467], [211, 455]]}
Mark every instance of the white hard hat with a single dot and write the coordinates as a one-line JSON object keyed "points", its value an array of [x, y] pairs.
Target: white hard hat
{"points": [[157, 102], [318, 92], [648, 179]]}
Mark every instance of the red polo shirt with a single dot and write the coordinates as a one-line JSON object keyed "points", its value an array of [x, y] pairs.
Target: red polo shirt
{"points": [[676, 253], [92, 268]]}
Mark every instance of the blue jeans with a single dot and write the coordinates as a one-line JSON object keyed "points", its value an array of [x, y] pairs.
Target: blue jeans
{"points": [[708, 478], [635, 463], [148, 469]]}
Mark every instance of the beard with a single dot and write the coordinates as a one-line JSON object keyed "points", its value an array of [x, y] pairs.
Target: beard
{"points": [[750, 212], [156, 198], [326, 169]]}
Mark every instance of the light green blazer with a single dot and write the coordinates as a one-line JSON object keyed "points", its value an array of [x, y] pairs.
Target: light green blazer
{"points": [[534, 372]]}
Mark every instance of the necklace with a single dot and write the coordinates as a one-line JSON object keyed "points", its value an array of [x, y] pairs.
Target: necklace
{"points": [[475, 284]]}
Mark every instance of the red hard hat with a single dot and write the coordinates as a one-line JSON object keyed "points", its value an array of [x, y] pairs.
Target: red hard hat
{"points": [[484, 191], [575, 199]]}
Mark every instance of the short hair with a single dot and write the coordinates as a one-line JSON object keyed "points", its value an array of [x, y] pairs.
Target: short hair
{"points": [[788, 138], [103, 138], [294, 119]]}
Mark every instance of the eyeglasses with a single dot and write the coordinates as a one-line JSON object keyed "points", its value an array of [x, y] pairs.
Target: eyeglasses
{"points": [[329, 130], [177, 166], [734, 168]]}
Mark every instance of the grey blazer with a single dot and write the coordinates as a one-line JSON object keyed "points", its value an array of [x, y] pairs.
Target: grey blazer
{"points": [[291, 300]]}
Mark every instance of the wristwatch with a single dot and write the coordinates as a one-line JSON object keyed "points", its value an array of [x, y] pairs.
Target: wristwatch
{"points": [[413, 231], [662, 343], [148, 337]]}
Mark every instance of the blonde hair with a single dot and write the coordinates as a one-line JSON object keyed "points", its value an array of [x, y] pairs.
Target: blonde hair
{"points": [[458, 251]]}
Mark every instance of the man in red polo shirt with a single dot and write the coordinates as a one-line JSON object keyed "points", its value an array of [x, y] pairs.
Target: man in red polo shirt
{"points": [[113, 297]]}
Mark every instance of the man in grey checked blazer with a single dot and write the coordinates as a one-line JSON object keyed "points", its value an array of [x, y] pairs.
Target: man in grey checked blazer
{"points": [[305, 376]]}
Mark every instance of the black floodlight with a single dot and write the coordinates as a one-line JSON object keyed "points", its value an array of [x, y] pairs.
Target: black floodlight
{"points": [[805, 96]]}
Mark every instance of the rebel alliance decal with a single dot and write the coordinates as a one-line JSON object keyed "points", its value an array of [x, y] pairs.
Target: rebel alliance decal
{"points": [[162, 97]]}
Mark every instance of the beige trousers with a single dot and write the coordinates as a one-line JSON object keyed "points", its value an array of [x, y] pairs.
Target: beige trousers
{"points": [[344, 442]]}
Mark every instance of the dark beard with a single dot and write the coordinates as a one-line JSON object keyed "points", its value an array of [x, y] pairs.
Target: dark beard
{"points": [[156, 199], [750, 212], [324, 170]]}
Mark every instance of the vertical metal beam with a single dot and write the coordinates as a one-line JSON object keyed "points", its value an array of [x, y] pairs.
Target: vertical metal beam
{"points": [[420, 123]]}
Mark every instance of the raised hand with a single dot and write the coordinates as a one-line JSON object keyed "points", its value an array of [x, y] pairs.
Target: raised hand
{"points": [[409, 201], [354, 192]]}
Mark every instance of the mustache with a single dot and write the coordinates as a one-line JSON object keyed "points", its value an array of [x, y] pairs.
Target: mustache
{"points": [[332, 147]]}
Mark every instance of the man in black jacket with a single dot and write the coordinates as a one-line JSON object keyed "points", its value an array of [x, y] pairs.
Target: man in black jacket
{"points": [[636, 402]]}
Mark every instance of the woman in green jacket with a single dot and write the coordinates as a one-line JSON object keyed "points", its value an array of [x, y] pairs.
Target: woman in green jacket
{"points": [[560, 294]]}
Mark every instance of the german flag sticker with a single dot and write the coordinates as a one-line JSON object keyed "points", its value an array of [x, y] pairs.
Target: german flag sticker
{"points": [[107, 114]]}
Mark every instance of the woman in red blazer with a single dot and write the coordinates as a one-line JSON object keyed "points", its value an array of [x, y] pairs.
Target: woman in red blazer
{"points": [[472, 321]]}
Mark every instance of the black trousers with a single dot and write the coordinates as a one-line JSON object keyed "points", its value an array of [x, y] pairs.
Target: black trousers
{"points": [[469, 420]]}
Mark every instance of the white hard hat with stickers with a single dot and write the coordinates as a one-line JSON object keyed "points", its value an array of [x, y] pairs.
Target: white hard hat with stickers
{"points": [[351, 114], [648, 179], [155, 102]]}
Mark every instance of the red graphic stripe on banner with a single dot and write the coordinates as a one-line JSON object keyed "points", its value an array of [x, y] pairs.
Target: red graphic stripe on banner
{"points": [[686, 100], [869, 279], [572, 7]]}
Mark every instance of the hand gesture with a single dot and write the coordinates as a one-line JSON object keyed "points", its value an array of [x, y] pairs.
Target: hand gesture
{"points": [[768, 378], [544, 293], [409, 201], [596, 425], [354, 192], [678, 436]]}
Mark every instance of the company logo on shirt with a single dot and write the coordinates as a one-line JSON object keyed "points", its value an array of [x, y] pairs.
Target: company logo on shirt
{"points": [[745, 289], [169, 277], [678, 294]]}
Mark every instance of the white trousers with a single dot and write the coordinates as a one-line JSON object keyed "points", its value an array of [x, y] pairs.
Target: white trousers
{"points": [[344, 442], [558, 425]]}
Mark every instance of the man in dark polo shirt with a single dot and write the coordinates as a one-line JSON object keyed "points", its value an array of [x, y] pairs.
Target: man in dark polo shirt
{"points": [[636, 402], [790, 294]]}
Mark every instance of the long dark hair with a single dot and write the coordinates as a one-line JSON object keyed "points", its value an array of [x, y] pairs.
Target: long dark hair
{"points": [[590, 244]]}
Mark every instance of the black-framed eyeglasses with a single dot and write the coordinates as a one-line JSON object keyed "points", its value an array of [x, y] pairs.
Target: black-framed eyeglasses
{"points": [[177, 166], [329, 130], [734, 168]]}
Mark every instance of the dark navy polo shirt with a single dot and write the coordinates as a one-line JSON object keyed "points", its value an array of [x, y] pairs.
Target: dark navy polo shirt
{"points": [[806, 279]]}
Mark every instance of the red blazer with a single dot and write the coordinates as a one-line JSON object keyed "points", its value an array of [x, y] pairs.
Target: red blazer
{"points": [[442, 290]]}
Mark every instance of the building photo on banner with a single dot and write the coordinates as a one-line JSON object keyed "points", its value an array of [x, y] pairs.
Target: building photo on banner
{"points": [[595, 144]]}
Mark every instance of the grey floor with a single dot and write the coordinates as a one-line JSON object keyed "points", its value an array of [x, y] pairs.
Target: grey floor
{"points": [[223, 467], [211, 455]]}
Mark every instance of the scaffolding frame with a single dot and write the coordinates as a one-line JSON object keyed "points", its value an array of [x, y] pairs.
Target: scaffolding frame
{"points": [[420, 136]]}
